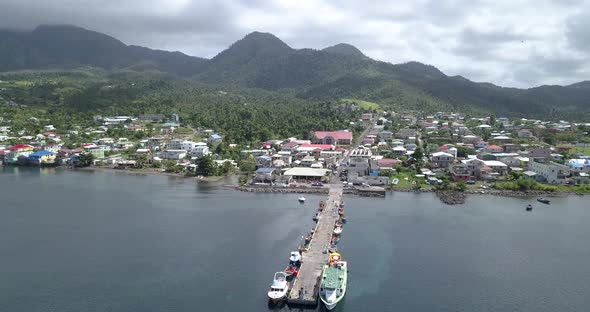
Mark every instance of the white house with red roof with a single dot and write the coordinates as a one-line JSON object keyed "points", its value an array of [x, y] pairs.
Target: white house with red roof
{"points": [[12, 153], [332, 137]]}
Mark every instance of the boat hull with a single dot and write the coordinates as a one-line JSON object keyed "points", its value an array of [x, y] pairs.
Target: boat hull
{"points": [[330, 305]]}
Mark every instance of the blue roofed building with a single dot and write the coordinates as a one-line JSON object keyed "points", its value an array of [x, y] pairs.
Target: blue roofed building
{"points": [[214, 138], [41, 157]]}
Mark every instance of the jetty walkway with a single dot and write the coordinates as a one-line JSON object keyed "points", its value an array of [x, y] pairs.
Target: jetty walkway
{"points": [[305, 289]]}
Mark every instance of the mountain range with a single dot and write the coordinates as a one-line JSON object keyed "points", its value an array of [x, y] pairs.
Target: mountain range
{"points": [[263, 61]]}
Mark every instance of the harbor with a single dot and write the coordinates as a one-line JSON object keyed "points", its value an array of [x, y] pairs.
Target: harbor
{"points": [[315, 252]]}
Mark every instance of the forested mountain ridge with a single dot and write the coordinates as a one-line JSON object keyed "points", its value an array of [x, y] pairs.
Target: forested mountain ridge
{"points": [[63, 46], [263, 61]]}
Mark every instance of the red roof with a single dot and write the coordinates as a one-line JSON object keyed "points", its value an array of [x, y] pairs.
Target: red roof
{"points": [[318, 146], [387, 162], [494, 148], [337, 135], [19, 146]]}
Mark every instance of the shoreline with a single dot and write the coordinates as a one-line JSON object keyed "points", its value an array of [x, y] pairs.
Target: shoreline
{"points": [[149, 172], [313, 190]]}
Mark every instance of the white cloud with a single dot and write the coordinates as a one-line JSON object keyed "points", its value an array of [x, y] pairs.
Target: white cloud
{"points": [[508, 42]]}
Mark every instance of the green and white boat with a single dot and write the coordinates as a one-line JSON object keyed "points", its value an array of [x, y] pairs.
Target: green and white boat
{"points": [[333, 285]]}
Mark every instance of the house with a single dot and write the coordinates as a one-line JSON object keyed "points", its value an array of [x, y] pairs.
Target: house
{"points": [[359, 165], [263, 161], [525, 133], [200, 151], [385, 135], [332, 137], [307, 161], [550, 172], [471, 139], [493, 149], [399, 150], [152, 117], [266, 175], [387, 163], [511, 148], [479, 169], [405, 133], [579, 165], [12, 153], [290, 146], [309, 148], [460, 172], [41, 157], [97, 151], [49, 128], [442, 160], [214, 138], [188, 145], [175, 144], [540, 153], [173, 154]]}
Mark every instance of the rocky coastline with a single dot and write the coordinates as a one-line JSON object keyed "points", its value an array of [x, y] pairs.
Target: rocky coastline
{"points": [[451, 197]]}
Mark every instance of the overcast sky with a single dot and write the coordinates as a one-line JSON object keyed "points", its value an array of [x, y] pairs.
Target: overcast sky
{"points": [[518, 43]]}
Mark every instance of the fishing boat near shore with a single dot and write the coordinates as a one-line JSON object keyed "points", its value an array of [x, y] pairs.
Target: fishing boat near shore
{"points": [[529, 207], [301, 199], [543, 200]]}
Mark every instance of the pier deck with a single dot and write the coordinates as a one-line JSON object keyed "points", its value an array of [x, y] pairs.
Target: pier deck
{"points": [[305, 288]]}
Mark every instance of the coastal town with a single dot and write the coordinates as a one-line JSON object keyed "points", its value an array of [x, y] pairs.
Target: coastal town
{"points": [[388, 150]]}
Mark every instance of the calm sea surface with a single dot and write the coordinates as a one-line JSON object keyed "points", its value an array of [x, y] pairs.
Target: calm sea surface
{"points": [[101, 241]]}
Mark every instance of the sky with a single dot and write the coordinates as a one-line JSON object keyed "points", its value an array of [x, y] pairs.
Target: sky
{"points": [[512, 43]]}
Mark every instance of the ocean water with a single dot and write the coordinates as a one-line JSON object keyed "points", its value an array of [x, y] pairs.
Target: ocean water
{"points": [[103, 241]]}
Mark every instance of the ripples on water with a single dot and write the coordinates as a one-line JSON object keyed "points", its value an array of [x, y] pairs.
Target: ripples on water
{"points": [[101, 241]]}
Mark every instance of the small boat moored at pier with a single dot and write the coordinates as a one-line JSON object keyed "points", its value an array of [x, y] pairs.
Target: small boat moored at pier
{"points": [[291, 270], [279, 288], [338, 230], [295, 257]]}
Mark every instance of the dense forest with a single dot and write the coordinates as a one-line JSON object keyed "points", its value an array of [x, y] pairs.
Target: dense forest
{"points": [[95, 72], [242, 115]]}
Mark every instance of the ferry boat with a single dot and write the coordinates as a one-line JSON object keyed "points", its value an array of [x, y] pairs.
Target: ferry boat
{"points": [[333, 284], [279, 288]]}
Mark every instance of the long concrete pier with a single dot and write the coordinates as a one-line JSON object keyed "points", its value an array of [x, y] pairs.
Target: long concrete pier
{"points": [[305, 289]]}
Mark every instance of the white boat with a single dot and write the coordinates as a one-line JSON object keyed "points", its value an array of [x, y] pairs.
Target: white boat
{"points": [[279, 288], [295, 256], [333, 281], [338, 230], [301, 199], [395, 181]]}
